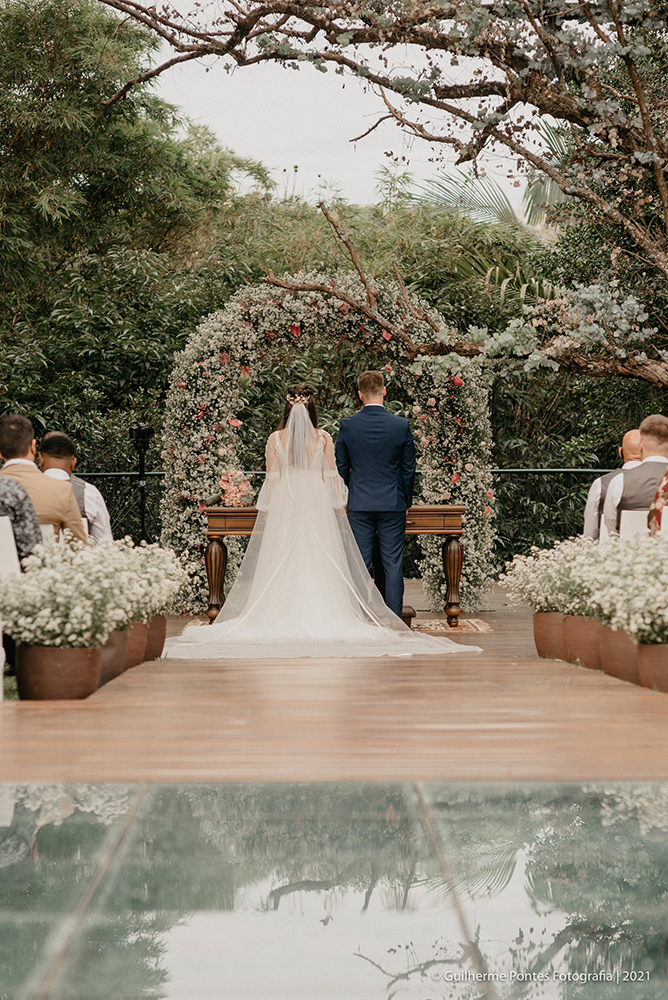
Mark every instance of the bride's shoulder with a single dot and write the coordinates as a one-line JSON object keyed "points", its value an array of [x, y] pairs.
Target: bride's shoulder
{"points": [[324, 435]]}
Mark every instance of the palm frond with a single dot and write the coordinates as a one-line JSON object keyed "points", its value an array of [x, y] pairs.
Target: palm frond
{"points": [[481, 198], [541, 192]]}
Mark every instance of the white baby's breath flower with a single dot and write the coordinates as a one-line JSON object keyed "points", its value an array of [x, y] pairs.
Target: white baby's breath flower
{"points": [[74, 594]]}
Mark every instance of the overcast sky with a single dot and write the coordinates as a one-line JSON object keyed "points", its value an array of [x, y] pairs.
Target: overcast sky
{"points": [[302, 118]]}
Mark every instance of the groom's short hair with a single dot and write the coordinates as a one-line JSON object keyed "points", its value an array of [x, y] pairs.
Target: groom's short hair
{"points": [[371, 383], [16, 434]]}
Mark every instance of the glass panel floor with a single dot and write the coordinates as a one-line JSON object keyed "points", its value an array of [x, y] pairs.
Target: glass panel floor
{"points": [[333, 892]]}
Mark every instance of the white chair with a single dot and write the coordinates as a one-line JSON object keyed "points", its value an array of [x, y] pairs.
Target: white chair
{"points": [[633, 523], [9, 567], [603, 535], [9, 559], [48, 532]]}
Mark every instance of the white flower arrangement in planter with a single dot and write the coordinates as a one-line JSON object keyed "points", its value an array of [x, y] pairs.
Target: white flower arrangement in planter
{"points": [[550, 580], [612, 599], [629, 588], [162, 576], [623, 584], [74, 595]]}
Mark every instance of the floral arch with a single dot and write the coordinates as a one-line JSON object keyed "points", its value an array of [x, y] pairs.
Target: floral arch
{"points": [[211, 378]]}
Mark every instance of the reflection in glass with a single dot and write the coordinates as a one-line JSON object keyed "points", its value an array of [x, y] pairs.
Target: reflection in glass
{"points": [[110, 891]]}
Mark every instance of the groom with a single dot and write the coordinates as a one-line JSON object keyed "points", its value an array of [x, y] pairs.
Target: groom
{"points": [[375, 456]]}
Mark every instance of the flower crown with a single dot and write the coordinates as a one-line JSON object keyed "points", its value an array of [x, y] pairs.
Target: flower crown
{"points": [[296, 398]]}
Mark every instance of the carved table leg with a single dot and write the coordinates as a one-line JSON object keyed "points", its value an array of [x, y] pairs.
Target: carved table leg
{"points": [[453, 557], [215, 560]]}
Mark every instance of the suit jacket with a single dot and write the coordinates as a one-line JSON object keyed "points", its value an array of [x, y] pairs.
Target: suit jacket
{"points": [[375, 456], [52, 499]]}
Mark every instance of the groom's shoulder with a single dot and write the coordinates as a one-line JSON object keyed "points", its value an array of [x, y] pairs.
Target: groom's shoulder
{"points": [[395, 421]]}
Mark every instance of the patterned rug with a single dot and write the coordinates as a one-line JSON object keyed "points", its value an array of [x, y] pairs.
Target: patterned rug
{"points": [[441, 625]]}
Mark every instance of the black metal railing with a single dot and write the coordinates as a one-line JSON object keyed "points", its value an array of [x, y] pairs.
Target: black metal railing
{"points": [[123, 496], [532, 506], [538, 507]]}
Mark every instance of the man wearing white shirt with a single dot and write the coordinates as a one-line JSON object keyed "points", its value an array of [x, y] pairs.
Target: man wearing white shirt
{"points": [[58, 458], [635, 488], [630, 453]]}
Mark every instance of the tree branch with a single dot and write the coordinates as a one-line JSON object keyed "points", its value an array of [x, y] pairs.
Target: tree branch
{"points": [[371, 296], [150, 75], [412, 310], [652, 142]]}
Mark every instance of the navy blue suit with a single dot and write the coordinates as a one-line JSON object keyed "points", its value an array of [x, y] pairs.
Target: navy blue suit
{"points": [[375, 456]]}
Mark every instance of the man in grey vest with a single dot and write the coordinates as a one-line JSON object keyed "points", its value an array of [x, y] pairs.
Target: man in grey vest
{"points": [[635, 488], [58, 458], [629, 452]]}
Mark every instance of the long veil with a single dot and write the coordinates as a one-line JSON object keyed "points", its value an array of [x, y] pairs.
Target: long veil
{"points": [[300, 446], [302, 588]]}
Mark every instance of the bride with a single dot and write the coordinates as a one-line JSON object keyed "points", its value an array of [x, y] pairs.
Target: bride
{"points": [[302, 588]]}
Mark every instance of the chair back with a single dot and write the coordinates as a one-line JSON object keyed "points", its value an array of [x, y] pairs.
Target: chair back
{"points": [[603, 535], [48, 532], [9, 559], [633, 523]]}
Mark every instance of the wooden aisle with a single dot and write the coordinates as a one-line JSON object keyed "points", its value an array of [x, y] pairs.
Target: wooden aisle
{"points": [[497, 716]]}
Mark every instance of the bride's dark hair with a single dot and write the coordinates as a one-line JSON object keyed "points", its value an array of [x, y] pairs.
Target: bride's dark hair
{"points": [[300, 394]]}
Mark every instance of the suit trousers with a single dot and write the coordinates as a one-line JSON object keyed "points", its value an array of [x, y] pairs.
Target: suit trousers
{"points": [[391, 528]]}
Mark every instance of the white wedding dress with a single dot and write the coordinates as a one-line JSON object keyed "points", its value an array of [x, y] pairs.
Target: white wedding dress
{"points": [[302, 588]]}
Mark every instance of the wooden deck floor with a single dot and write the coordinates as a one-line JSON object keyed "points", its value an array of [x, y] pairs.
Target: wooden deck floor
{"points": [[498, 716]]}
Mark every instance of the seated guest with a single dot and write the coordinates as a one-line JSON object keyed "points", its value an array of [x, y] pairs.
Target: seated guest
{"points": [[58, 458], [629, 452], [636, 488], [656, 507], [15, 504], [53, 501]]}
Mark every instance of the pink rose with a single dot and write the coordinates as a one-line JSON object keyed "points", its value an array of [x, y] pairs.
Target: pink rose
{"points": [[294, 330], [181, 384], [344, 308], [468, 467], [245, 370], [417, 408], [386, 335], [234, 422], [488, 510], [224, 359], [388, 368], [423, 416], [457, 380], [490, 494], [455, 478], [424, 440], [431, 401]]}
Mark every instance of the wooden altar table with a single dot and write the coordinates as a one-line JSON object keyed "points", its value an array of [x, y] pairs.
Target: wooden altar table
{"points": [[433, 519]]}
